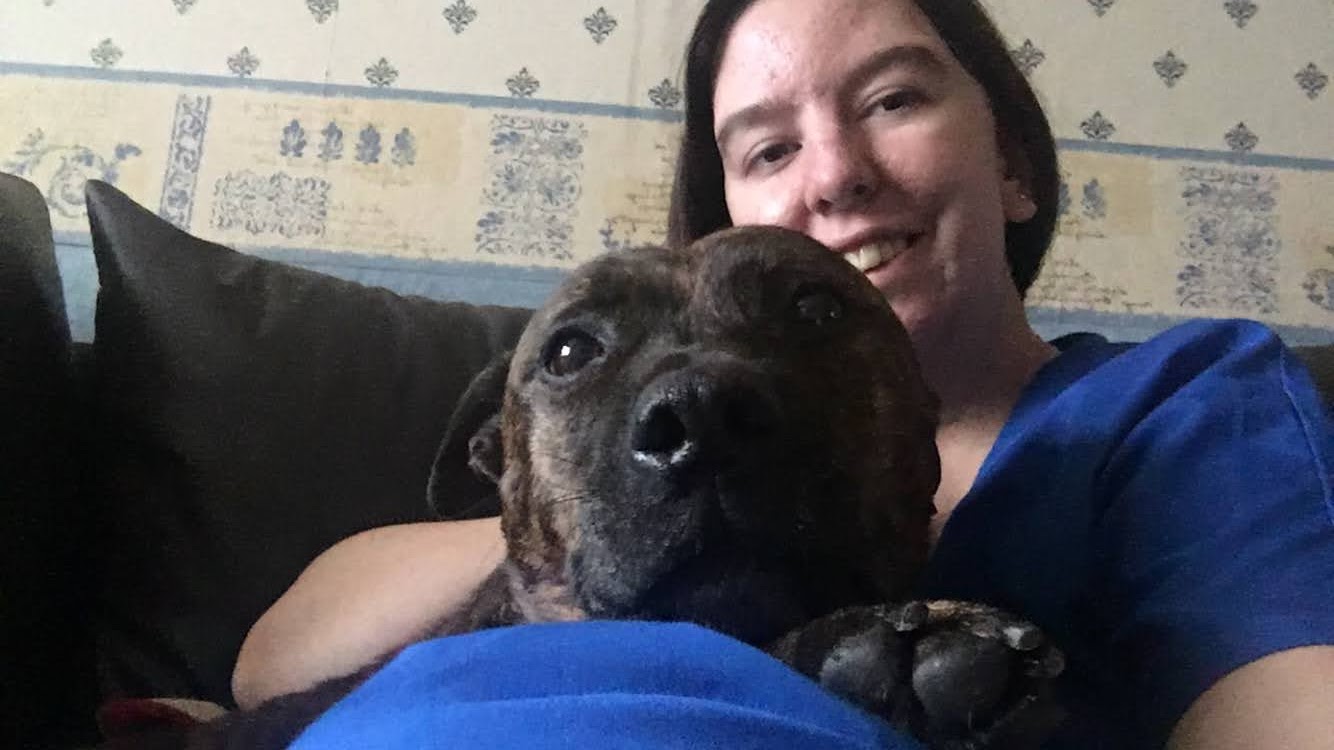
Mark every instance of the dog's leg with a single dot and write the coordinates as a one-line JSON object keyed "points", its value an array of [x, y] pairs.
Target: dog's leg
{"points": [[954, 674], [492, 606]]}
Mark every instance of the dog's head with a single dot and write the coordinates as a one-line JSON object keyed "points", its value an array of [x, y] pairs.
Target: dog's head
{"points": [[734, 434]]}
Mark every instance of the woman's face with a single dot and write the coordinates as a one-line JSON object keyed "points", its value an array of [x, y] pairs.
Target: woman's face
{"points": [[851, 121]]}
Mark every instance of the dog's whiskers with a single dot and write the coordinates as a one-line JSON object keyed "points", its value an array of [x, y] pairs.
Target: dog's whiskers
{"points": [[558, 458], [573, 497]]}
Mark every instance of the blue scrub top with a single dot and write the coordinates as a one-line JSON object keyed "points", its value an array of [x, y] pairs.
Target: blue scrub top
{"points": [[1164, 511], [578, 686]]}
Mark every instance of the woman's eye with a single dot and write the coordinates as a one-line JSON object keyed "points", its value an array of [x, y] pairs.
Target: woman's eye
{"points": [[571, 351], [898, 101], [773, 154]]}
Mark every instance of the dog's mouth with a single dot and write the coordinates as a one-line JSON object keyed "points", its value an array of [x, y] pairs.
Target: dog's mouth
{"points": [[754, 600], [753, 570]]}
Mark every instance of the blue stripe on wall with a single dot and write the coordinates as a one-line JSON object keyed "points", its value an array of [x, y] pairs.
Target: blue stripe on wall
{"points": [[1168, 153], [343, 91], [480, 101], [483, 283]]}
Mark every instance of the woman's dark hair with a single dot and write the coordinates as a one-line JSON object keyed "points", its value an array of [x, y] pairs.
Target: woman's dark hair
{"points": [[698, 204]]}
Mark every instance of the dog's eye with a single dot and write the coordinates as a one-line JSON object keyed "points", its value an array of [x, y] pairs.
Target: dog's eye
{"points": [[570, 351], [818, 306]]}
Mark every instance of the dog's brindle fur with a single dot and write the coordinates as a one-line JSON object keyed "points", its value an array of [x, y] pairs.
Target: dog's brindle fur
{"points": [[734, 434]]}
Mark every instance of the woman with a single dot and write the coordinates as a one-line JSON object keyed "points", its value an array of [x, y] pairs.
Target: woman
{"points": [[1164, 512]]}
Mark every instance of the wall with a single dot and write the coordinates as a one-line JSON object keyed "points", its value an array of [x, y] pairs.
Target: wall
{"points": [[473, 149]]}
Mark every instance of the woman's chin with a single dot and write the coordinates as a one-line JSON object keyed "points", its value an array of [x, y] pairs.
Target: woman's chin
{"points": [[917, 312]]}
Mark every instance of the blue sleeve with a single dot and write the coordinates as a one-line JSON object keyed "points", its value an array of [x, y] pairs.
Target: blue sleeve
{"points": [[1216, 544], [593, 685]]}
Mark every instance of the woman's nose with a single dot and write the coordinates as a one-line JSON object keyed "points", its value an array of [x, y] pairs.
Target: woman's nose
{"points": [[842, 174]]}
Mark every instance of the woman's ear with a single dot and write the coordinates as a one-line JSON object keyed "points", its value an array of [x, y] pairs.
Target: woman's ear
{"points": [[1017, 201], [1016, 180]]}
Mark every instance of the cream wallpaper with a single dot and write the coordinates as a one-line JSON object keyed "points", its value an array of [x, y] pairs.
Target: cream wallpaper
{"points": [[476, 148]]}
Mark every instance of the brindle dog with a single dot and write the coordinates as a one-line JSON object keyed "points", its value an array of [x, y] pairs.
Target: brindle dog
{"points": [[735, 434]]}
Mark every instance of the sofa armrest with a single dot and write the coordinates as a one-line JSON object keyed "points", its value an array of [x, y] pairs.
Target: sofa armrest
{"points": [[47, 694]]}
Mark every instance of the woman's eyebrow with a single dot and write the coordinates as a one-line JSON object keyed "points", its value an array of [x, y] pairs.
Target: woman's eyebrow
{"points": [[907, 56], [764, 110]]}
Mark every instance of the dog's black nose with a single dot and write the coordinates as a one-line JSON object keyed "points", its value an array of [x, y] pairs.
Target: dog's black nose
{"points": [[714, 414]]}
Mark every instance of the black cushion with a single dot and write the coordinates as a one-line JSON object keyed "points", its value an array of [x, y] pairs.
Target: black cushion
{"points": [[250, 414], [1320, 361], [44, 646]]}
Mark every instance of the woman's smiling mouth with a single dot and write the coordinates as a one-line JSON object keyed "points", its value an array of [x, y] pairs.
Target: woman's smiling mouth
{"points": [[879, 252]]}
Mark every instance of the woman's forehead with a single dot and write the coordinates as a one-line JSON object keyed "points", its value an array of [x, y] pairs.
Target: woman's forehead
{"points": [[797, 48]]}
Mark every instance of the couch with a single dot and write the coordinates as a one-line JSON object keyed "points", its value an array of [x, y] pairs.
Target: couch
{"points": [[232, 418], [161, 486]]}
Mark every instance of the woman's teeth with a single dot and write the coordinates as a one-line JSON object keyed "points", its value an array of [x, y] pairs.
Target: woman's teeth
{"points": [[872, 254]]}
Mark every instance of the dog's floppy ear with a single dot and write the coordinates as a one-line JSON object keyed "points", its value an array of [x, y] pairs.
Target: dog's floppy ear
{"points": [[467, 466]]}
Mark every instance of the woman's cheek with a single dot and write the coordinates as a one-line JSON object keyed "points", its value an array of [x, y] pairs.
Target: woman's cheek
{"points": [[748, 207], [740, 203], [777, 207]]}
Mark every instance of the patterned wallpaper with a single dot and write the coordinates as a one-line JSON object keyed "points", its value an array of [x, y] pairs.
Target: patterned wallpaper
{"points": [[475, 149]]}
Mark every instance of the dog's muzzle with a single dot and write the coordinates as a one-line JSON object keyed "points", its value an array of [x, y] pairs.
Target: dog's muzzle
{"points": [[713, 416]]}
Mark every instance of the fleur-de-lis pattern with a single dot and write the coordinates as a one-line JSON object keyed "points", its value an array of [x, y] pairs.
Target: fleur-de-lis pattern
{"points": [[322, 9], [243, 64], [106, 54], [460, 15], [665, 94], [381, 74], [1028, 57], [404, 153], [1170, 68], [368, 145], [331, 142], [1102, 6], [1241, 139], [600, 25], [1097, 127], [1312, 80], [536, 40], [1164, 114], [1242, 11], [522, 84], [293, 142]]}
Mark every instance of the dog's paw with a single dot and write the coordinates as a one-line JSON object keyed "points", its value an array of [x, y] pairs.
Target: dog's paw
{"points": [[981, 676], [959, 676]]}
